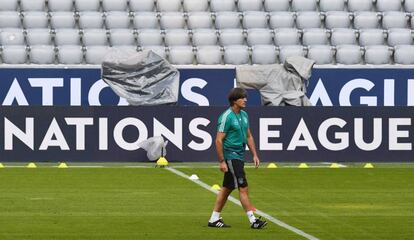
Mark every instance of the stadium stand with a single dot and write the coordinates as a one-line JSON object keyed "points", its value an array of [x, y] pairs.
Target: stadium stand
{"points": [[254, 24], [60, 5], [204, 37], [62, 20], [209, 55]]}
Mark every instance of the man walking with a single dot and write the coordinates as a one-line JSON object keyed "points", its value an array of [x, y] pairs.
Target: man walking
{"points": [[232, 136]]}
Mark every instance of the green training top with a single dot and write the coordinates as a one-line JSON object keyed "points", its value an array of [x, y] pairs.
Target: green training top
{"points": [[235, 127]]}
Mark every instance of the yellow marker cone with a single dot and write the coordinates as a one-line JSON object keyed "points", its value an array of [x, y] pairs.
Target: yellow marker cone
{"points": [[303, 165], [1, 165], [369, 165], [162, 162], [335, 165], [63, 165], [272, 165], [216, 187], [31, 165]]}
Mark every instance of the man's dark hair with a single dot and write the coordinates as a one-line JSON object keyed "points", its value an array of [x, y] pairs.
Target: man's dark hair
{"points": [[235, 94]]}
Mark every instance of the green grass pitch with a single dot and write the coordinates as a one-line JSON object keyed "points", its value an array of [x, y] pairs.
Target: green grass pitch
{"points": [[115, 202]]}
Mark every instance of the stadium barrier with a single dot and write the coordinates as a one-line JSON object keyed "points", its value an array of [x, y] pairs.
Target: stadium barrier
{"points": [[328, 86], [282, 134]]}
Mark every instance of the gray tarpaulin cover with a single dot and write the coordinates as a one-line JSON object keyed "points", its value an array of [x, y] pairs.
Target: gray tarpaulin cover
{"points": [[142, 78], [278, 85], [155, 147]]}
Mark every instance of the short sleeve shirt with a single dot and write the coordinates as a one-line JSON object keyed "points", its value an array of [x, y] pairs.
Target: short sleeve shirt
{"points": [[235, 127]]}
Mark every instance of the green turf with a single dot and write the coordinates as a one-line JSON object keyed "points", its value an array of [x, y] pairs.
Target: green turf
{"points": [[148, 203]]}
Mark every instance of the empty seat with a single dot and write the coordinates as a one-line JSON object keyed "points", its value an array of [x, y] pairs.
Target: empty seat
{"points": [[35, 20], [366, 20], [289, 51], [42, 54], [199, 20], [114, 5], [119, 37], [10, 19], [409, 5], [11, 36], [176, 37], [250, 5], [33, 5], [276, 5], [62, 20], [348, 54], [259, 36], [308, 20], [141, 5], [360, 5], [195, 5], [255, 20], [315, 36], [337, 19], [231, 37], [394, 20], [171, 20], [222, 5], [94, 37], [60, 5], [146, 20], [39, 36], [117, 19], [371, 37], [204, 37], [404, 54], [388, 5], [95, 54], [90, 5], [169, 5], [126, 48], [236, 54], [159, 50], [149, 37], [209, 55], [378, 54], [282, 20], [67, 36], [14, 54], [89, 19], [264, 54], [331, 5], [69, 54], [321, 54], [343, 36], [9, 5], [181, 55], [399, 36], [304, 5], [227, 20], [287, 36]]}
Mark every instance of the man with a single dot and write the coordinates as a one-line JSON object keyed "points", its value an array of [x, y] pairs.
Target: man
{"points": [[232, 136]]}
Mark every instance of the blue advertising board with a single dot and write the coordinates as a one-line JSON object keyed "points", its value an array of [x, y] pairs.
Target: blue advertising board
{"points": [[282, 134], [84, 87], [205, 87]]}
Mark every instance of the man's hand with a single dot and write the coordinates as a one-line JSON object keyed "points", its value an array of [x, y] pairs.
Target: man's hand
{"points": [[223, 167], [256, 161]]}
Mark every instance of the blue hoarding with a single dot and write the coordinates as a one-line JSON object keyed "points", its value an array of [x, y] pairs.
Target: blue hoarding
{"points": [[294, 134], [205, 87]]}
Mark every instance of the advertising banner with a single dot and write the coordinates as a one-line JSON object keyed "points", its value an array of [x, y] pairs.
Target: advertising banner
{"points": [[205, 87], [282, 134]]}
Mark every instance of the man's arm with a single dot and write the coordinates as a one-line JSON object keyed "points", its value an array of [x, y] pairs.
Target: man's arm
{"points": [[252, 148], [219, 148]]}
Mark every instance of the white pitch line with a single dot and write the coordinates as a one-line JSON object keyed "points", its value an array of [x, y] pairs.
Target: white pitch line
{"points": [[237, 202]]}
